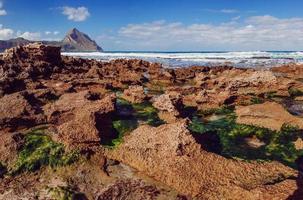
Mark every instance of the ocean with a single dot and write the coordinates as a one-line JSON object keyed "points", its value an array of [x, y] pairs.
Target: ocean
{"points": [[251, 59]]}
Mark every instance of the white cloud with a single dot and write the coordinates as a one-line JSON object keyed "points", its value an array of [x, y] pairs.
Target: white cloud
{"points": [[76, 14], [229, 11], [254, 33], [56, 32], [2, 11], [30, 35], [224, 10], [5, 33], [47, 32]]}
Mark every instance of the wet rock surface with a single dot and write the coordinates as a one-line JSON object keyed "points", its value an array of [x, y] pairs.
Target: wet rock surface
{"points": [[269, 115], [130, 129]]}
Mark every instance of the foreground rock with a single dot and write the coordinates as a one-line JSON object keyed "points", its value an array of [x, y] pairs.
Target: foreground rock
{"points": [[269, 115], [75, 99], [171, 155], [83, 118]]}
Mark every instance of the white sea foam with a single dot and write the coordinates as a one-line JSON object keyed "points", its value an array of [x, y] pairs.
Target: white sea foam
{"points": [[173, 59]]}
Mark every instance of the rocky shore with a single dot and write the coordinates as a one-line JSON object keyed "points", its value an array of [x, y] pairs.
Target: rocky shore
{"points": [[72, 128]]}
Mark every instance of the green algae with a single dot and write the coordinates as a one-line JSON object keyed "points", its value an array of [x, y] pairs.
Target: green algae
{"points": [[278, 145], [256, 100], [295, 92], [128, 117], [40, 150]]}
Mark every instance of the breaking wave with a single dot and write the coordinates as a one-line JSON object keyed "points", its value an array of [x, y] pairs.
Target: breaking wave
{"points": [[184, 59]]}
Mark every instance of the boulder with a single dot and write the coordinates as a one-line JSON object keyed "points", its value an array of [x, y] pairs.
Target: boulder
{"points": [[170, 154], [268, 115], [60, 111], [88, 125], [170, 106], [208, 99], [134, 94]]}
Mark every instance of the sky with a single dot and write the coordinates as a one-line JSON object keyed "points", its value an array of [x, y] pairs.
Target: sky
{"points": [[160, 25]]}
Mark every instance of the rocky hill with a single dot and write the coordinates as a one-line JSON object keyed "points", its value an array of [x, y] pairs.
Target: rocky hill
{"points": [[73, 41], [78, 41]]}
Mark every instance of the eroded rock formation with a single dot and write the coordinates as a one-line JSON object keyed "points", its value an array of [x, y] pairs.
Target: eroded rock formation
{"points": [[70, 105]]}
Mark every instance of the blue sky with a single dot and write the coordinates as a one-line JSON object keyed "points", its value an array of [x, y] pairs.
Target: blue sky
{"points": [[159, 24]]}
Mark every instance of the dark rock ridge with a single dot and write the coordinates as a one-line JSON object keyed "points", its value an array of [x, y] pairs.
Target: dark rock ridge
{"points": [[73, 41]]}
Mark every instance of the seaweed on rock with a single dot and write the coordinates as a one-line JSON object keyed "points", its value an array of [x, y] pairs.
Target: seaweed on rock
{"points": [[272, 145], [129, 116], [40, 150]]}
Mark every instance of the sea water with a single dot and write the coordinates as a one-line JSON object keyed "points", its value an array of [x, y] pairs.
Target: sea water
{"points": [[254, 59]]}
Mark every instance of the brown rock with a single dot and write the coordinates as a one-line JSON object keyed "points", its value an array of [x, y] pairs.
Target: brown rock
{"points": [[208, 99], [34, 52], [171, 155], [170, 106], [299, 98], [294, 71], [269, 115], [299, 144], [134, 94], [16, 111], [10, 143], [88, 125], [60, 111], [254, 79]]}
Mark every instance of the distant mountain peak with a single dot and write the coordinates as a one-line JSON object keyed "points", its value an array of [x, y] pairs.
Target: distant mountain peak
{"points": [[78, 41], [74, 40]]}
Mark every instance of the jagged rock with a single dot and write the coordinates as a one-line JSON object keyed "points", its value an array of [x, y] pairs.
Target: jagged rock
{"points": [[255, 78], [170, 106], [171, 155], [35, 52], [269, 115], [208, 99], [17, 110], [134, 94], [88, 125]]}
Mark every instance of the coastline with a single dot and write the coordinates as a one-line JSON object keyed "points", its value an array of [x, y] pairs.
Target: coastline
{"points": [[251, 59], [102, 124]]}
